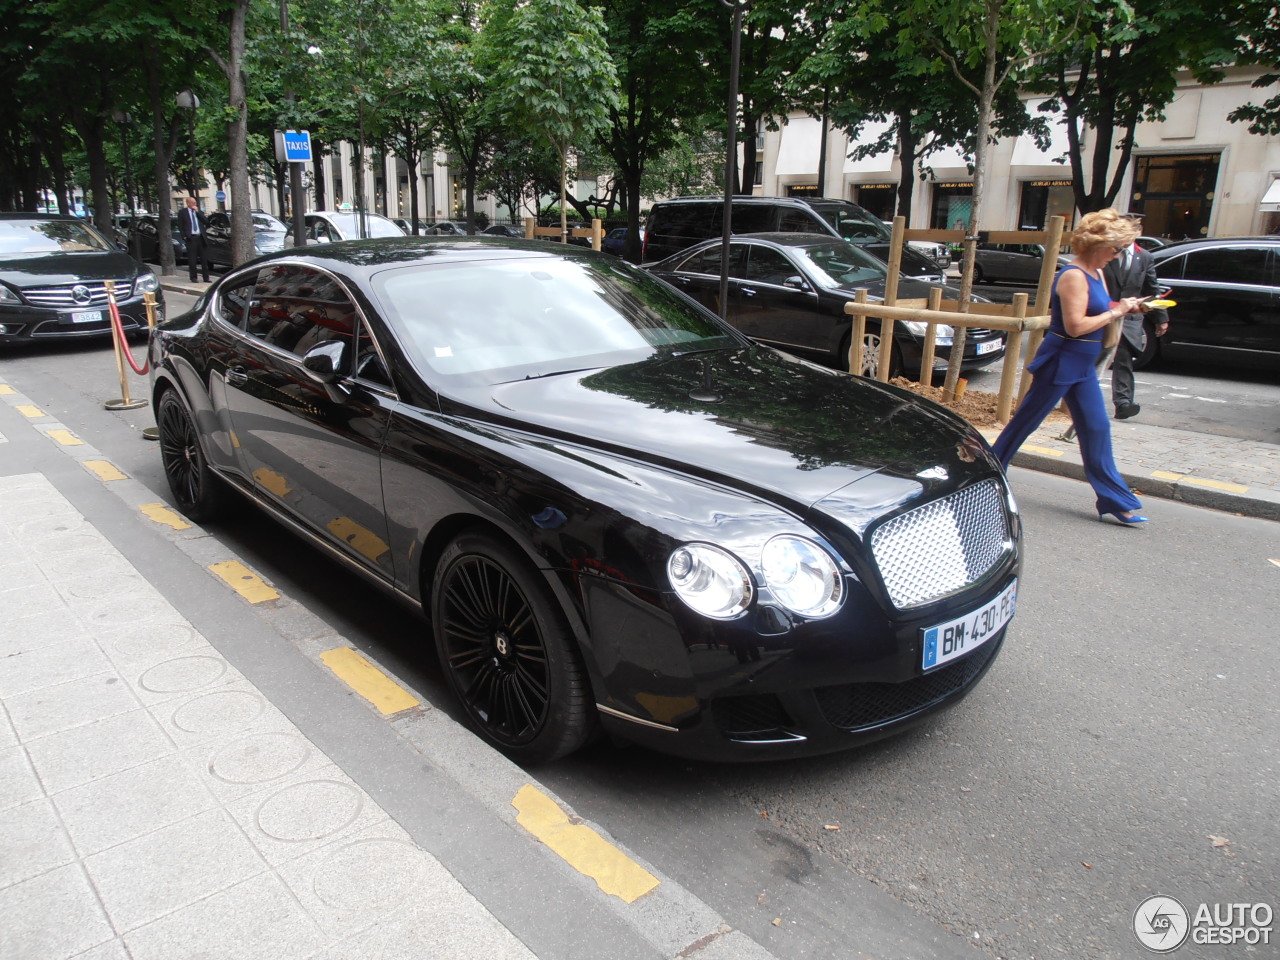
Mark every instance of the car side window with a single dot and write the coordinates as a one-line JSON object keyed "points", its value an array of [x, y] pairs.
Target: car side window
{"points": [[708, 261], [799, 221], [752, 218], [1229, 265], [769, 266], [232, 301], [295, 307]]}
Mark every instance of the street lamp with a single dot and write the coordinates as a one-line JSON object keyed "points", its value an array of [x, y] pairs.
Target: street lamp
{"points": [[186, 100], [738, 7]]}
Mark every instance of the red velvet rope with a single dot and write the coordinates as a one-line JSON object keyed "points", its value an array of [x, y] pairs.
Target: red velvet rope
{"points": [[124, 343]]}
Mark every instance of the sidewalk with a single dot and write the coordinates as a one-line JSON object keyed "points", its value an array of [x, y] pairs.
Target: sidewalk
{"points": [[182, 777]]}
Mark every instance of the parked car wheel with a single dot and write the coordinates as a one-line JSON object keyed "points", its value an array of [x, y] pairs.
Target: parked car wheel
{"points": [[977, 273], [871, 355], [196, 490], [1151, 349], [507, 652]]}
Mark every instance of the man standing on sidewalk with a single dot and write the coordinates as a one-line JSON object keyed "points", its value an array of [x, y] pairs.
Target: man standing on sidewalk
{"points": [[191, 226], [1132, 274]]}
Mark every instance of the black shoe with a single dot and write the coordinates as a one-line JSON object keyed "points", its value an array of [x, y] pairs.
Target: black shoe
{"points": [[1127, 410]]}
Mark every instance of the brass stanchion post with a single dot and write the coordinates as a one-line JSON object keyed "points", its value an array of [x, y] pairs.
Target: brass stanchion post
{"points": [[150, 433], [125, 402]]}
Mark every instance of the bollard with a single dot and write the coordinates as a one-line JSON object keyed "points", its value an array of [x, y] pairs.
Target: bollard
{"points": [[125, 402]]}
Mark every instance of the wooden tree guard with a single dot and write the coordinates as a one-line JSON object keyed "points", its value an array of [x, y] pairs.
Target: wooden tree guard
{"points": [[595, 232]]}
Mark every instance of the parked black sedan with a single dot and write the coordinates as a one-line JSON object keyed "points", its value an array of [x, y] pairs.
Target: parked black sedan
{"points": [[1227, 291], [614, 509], [53, 273], [790, 290], [145, 238], [269, 235]]}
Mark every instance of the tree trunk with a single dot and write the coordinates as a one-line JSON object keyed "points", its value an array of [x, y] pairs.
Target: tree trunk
{"points": [[238, 140], [162, 150], [908, 146], [986, 101], [318, 165]]}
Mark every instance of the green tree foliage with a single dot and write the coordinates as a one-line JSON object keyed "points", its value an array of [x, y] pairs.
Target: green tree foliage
{"points": [[558, 82]]}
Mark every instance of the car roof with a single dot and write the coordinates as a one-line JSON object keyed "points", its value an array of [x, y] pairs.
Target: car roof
{"points": [[756, 199], [32, 215], [1176, 245], [366, 257]]}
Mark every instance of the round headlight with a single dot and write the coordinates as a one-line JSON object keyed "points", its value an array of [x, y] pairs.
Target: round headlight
{"points": [[802, 576], [710, 580]]}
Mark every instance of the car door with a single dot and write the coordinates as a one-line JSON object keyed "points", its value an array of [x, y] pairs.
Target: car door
{"points": [[699, 274], [217, 237], [1226, 296], [774, 302], [313, 449]]}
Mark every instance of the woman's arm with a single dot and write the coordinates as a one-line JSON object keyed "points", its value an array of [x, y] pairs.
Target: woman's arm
{"points": [[1073, 293]]}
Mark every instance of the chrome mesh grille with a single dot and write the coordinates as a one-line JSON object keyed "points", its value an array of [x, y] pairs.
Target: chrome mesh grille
{"points": [[943, 546], [62, 295]]}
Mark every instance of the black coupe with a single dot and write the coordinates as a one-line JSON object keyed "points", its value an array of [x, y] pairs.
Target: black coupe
{"points": [[617, 512]]}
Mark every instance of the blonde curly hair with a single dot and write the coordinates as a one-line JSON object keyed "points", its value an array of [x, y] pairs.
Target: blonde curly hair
{"points": [[1107, 227]]}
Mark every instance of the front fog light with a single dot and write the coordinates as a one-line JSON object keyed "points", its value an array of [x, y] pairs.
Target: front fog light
{"points": [[802, 576], [710, 580]]}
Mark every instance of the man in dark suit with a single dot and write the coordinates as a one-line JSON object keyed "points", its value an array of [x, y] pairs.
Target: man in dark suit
{"points": [[191, 226], [1132, 274]]}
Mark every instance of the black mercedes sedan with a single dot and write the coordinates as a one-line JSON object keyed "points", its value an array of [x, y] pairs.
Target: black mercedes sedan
{"points": [[53, 273], [789, 290], [616, 512]]}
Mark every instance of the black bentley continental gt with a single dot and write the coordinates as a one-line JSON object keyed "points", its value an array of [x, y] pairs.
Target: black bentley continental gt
{"points": [[617, 512]]}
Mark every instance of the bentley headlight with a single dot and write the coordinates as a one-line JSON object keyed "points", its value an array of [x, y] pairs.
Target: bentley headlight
{"points": [[802, 576], [710, 580]]}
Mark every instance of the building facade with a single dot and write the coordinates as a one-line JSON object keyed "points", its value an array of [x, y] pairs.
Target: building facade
{"points": [[1192, 174]]}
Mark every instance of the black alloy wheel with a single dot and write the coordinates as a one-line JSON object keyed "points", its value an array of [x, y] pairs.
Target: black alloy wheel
{"points": [[196, 491], [978, 275], [508, 653]]}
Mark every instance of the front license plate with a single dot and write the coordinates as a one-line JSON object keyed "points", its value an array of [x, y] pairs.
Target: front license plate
{"points": [[955, 638], [988, 346], [87, 316]]}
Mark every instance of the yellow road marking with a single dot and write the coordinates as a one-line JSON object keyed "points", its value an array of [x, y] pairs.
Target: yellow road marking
{"points": [[360, 538], [29, 410], [364, 678], [272, 481], [581, 847], [244, 581], [1216, 485], [6, 390], [1034, 449], [104, 470], [1166, 475], [162, 514], [64, 437]]}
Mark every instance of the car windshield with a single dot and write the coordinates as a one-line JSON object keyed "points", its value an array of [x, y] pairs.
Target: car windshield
{"points": [[36, 237], [913, 263], [266, 223], [494, 321], [853, 224], [375, 225], [842, 265]]}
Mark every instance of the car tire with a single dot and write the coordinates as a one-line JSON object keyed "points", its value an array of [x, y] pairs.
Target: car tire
{"points": [[507, 652], [197, 491], [978, 275], [871, 355], [1151, 349]]}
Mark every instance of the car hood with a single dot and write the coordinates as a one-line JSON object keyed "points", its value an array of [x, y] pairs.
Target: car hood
{"points": [[54, 268], [751, 418]]}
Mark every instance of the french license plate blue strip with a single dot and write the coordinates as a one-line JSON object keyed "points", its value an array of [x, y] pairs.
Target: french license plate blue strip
{"points": [[947, 641]]}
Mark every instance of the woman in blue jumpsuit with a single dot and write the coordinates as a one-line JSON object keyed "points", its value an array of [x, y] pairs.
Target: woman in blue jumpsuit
{"points": [[1081, 309]]}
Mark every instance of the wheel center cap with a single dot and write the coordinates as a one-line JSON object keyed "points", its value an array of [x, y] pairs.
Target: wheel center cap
{"points": [[502, 643]]}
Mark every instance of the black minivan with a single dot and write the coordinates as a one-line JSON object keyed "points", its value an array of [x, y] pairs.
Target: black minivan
{"points": [[680, 223]]}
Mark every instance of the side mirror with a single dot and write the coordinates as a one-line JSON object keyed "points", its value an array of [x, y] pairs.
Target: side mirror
{"points": [[326, 362], [796, 283]]}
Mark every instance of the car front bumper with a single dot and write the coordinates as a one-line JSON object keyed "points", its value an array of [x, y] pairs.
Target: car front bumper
{"points": [[26, 323]]}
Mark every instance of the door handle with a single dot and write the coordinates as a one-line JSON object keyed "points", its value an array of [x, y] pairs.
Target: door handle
{"points": [[237, 376], [748, 292]]}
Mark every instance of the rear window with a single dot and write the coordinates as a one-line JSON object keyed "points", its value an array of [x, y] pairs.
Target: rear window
{"points": [[1246, 265], [684, 219]]}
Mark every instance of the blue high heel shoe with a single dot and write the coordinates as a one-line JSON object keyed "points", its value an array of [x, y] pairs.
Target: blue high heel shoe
{"points": [[1136, 518]]}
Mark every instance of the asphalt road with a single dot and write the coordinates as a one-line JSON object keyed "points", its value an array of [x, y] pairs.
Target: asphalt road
{"points": [[1128, 729]]}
